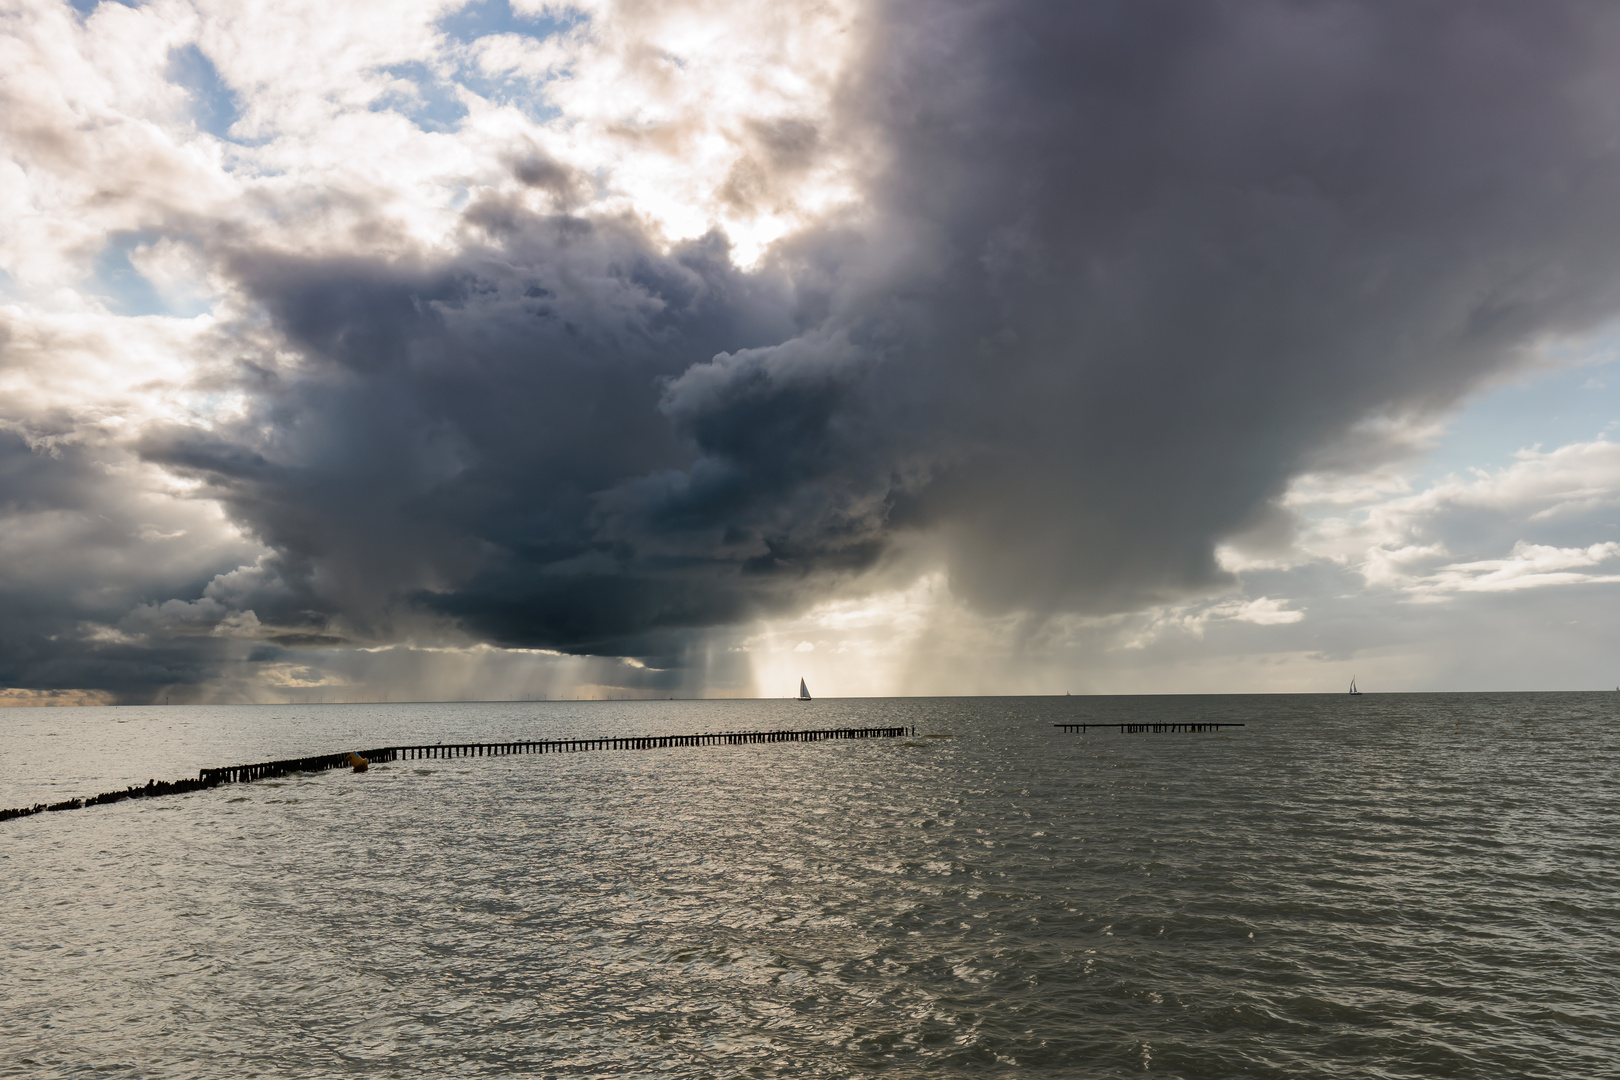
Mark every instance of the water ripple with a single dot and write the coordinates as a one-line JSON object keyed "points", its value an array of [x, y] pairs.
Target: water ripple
{"points": [[1412, 886]]}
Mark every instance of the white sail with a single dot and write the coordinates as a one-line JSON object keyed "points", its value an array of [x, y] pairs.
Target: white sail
{"points": [[804, 691]]}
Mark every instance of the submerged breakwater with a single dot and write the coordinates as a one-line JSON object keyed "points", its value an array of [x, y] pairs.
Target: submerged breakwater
{"points": [[233, 774]]}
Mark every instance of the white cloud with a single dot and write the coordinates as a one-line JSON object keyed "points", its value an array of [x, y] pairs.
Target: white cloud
{"points": [[1530, 566], [1194, 619], [1261, 612], [1551, 509]]}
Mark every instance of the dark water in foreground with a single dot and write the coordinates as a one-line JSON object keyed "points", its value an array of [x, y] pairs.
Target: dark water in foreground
{"points": [[1389, 886]]}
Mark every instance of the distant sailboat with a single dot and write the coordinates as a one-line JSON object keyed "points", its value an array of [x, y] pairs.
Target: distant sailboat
{"points": [[1353, 689], [804, 691]]}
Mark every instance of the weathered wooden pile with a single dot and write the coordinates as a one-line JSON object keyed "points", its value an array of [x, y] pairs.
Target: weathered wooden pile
{"points": [[150, 788]]}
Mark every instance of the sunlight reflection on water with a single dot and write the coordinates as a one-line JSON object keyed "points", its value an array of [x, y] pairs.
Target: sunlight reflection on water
{"points": [[1393, 885]]}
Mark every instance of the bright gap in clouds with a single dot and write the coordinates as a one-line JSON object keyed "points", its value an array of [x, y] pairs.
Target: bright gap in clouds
{"points": [[1572, 403]]}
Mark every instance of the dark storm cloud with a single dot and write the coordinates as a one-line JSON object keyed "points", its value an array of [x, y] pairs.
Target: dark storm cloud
{"points": [[1127, 268], [60, 602], [1186, 246], [453, 436]]}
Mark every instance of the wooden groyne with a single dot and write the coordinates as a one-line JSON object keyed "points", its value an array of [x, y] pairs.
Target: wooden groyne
{"points": [[239, 773], [140, 791], [1177, 725], [264, 770], [268, 770]]}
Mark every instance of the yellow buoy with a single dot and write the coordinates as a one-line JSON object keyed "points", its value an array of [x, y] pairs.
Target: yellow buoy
{"points": [[360, 764]]}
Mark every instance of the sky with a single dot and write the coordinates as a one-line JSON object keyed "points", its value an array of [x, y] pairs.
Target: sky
{"points": [[422, 349]]}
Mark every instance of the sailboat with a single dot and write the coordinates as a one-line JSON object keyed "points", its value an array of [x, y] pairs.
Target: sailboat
{"points": [[1353, 689], [804, 691]]}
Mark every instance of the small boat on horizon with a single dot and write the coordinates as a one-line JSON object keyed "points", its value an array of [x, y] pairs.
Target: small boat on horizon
{"points": [[804, 691], [1353, 689]]}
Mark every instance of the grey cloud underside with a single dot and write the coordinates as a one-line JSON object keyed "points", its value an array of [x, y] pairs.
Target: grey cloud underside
{"points": [[97, 568], [1127, 268]]}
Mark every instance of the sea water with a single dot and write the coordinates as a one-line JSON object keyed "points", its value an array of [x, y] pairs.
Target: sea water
{"points": [[1378, 886]]}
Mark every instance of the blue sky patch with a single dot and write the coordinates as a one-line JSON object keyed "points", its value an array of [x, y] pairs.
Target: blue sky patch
{"points": [[486, 18], [521, 94], [481, 18], [214, 105], [88, 7], [431, 104], [126, 290], [1575, 404]]}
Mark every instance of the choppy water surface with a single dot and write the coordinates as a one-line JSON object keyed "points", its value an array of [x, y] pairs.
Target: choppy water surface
{"points": [[1388, 886]]}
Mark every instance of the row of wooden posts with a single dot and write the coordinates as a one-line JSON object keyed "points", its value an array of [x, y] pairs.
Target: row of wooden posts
{"points": [[236, 773], [232, 774], [1164, 726]]}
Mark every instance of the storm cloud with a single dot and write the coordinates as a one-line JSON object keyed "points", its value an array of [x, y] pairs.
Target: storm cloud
{"points": [[1116, 274]]}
